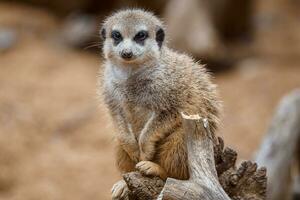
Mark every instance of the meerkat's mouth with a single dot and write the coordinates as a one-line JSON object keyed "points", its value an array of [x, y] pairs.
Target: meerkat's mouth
{"points": [[128, 60], [133, 58]]}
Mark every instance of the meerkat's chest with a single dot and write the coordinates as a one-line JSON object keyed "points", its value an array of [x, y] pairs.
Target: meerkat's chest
{"points": [[130, 94], [137, 115], [125, 88]]}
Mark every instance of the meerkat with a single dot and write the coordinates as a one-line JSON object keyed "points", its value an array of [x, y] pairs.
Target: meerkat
{"points": [[146, 86]]}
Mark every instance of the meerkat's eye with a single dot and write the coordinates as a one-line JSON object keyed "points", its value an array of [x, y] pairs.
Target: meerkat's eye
{"points": [[140, 36], [116, 35]]}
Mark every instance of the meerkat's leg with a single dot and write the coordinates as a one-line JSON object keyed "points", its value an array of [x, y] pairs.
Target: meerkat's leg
{"points": [[156, 129], [172, 158], [125, 164], [173, 155], [126, 138], [127, 156]]}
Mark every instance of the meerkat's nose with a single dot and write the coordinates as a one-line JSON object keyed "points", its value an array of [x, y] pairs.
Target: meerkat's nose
{"points": [[126, 54]]}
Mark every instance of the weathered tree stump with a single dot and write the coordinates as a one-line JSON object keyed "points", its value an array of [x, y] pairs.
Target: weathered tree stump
{"points": [[213, 174]]}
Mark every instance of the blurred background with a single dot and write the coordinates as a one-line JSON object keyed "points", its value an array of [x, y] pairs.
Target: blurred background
{"points": [[56, 138]]}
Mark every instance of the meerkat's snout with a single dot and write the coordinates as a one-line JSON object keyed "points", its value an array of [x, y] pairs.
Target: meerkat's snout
{"points": [[126, 54], [127, 50]]}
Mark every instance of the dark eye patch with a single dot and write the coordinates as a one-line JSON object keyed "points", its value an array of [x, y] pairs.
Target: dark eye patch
{"points": [[160, 36], [117, 37], [140, 37], [103, 33]]}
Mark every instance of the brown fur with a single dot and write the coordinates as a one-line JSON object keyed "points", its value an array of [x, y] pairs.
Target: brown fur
{"points": [[146, 108]]}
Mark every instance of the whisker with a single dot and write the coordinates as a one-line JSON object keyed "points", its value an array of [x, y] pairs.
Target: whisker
{"points": [[91, 46]]}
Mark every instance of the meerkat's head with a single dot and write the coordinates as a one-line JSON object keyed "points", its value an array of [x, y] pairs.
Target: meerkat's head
{"points": [[132, 36]]}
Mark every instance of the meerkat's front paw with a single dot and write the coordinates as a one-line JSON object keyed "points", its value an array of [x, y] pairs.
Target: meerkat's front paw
{"points": [[151, 169], [120, 191]]}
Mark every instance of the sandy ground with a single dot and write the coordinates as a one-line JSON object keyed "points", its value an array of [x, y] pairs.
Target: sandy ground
{"points": [[56, 138], [53, 133]]}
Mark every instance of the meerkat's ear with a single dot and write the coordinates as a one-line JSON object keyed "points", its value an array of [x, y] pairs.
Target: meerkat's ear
{"points": [[103, 33], [160, 36]]}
